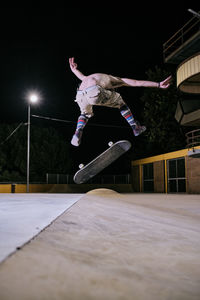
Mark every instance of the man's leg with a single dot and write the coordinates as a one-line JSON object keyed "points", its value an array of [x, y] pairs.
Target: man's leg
{"points": [[82, 121], [127, 114], [114, 99]]}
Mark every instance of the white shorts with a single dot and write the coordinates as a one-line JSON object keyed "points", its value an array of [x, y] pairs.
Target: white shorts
{"points": [[96, 95]]}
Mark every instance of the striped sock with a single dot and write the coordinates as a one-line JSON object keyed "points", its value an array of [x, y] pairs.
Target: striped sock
{"points": [[82, 121], [127, 114]]}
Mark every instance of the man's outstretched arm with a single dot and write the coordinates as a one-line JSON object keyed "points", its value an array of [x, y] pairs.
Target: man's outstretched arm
{"points": [[73, 67], [144, 83]]}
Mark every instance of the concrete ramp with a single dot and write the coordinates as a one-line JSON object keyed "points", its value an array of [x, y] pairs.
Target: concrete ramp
{"points": [[112, 246], [23, 216]]}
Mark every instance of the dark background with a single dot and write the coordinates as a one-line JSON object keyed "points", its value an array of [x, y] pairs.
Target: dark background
{"points": [[122, 39]]}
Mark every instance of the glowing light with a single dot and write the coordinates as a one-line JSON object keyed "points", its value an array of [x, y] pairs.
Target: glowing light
{"points": [[33, 98]]}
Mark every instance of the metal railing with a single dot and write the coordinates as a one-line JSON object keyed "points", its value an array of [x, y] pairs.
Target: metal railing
{"points": [[193, 138], [101, 179], [181, 36]]}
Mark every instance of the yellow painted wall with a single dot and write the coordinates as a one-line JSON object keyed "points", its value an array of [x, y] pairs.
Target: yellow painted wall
{"points": [[33, 188], [5, 188], [63, 188]]}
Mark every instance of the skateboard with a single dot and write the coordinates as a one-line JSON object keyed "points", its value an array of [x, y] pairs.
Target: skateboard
{"points": [[114, 151]]}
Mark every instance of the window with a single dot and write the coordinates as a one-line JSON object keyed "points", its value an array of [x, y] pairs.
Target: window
{"points": [[176, 175], [148, 178]]}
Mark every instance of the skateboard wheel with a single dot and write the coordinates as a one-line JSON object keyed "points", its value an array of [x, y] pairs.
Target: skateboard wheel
{"points": [[81, 166], [110, 144]]}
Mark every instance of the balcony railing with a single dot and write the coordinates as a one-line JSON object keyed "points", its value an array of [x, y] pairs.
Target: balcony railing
{"points": [[190, 29], [193, 138]]}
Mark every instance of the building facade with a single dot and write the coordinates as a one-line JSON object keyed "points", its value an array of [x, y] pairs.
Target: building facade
{"points": [[179, 171], [174, 172]]}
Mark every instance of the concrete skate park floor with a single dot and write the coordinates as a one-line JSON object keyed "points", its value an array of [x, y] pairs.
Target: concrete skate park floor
{"points": [[108, 246]]}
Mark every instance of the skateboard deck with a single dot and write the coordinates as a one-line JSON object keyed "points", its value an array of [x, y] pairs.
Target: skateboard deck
{"points": [[102, 161]]}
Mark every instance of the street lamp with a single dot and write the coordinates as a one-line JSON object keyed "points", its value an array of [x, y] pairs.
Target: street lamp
{"points": [[33, 98]]}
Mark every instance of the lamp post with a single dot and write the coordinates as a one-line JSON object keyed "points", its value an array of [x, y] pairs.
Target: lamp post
{"points": [[196, 14], [33, 98]]}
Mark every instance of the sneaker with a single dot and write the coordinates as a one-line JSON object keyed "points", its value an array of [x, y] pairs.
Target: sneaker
{"points": [[138, 130], [76, 139]]}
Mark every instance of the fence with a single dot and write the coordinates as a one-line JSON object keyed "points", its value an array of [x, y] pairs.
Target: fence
{"points": [[191, 28], [109, 179]]}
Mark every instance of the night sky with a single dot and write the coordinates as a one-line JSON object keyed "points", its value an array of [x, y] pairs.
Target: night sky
{"points": [[122, 40]]}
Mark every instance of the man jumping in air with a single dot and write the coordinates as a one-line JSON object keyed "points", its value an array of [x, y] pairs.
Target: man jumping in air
{"points": [[98, 89]]}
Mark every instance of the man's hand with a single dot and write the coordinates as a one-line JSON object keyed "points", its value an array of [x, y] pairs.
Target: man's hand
{"points": [[74, 68], [72, 64], [165, 83]]}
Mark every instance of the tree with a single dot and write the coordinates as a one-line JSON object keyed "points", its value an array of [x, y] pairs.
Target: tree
{"points": [[49, 153], [163, 132]]}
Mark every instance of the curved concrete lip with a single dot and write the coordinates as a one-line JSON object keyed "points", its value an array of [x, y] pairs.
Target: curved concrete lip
{"points": [[101, 191]]}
